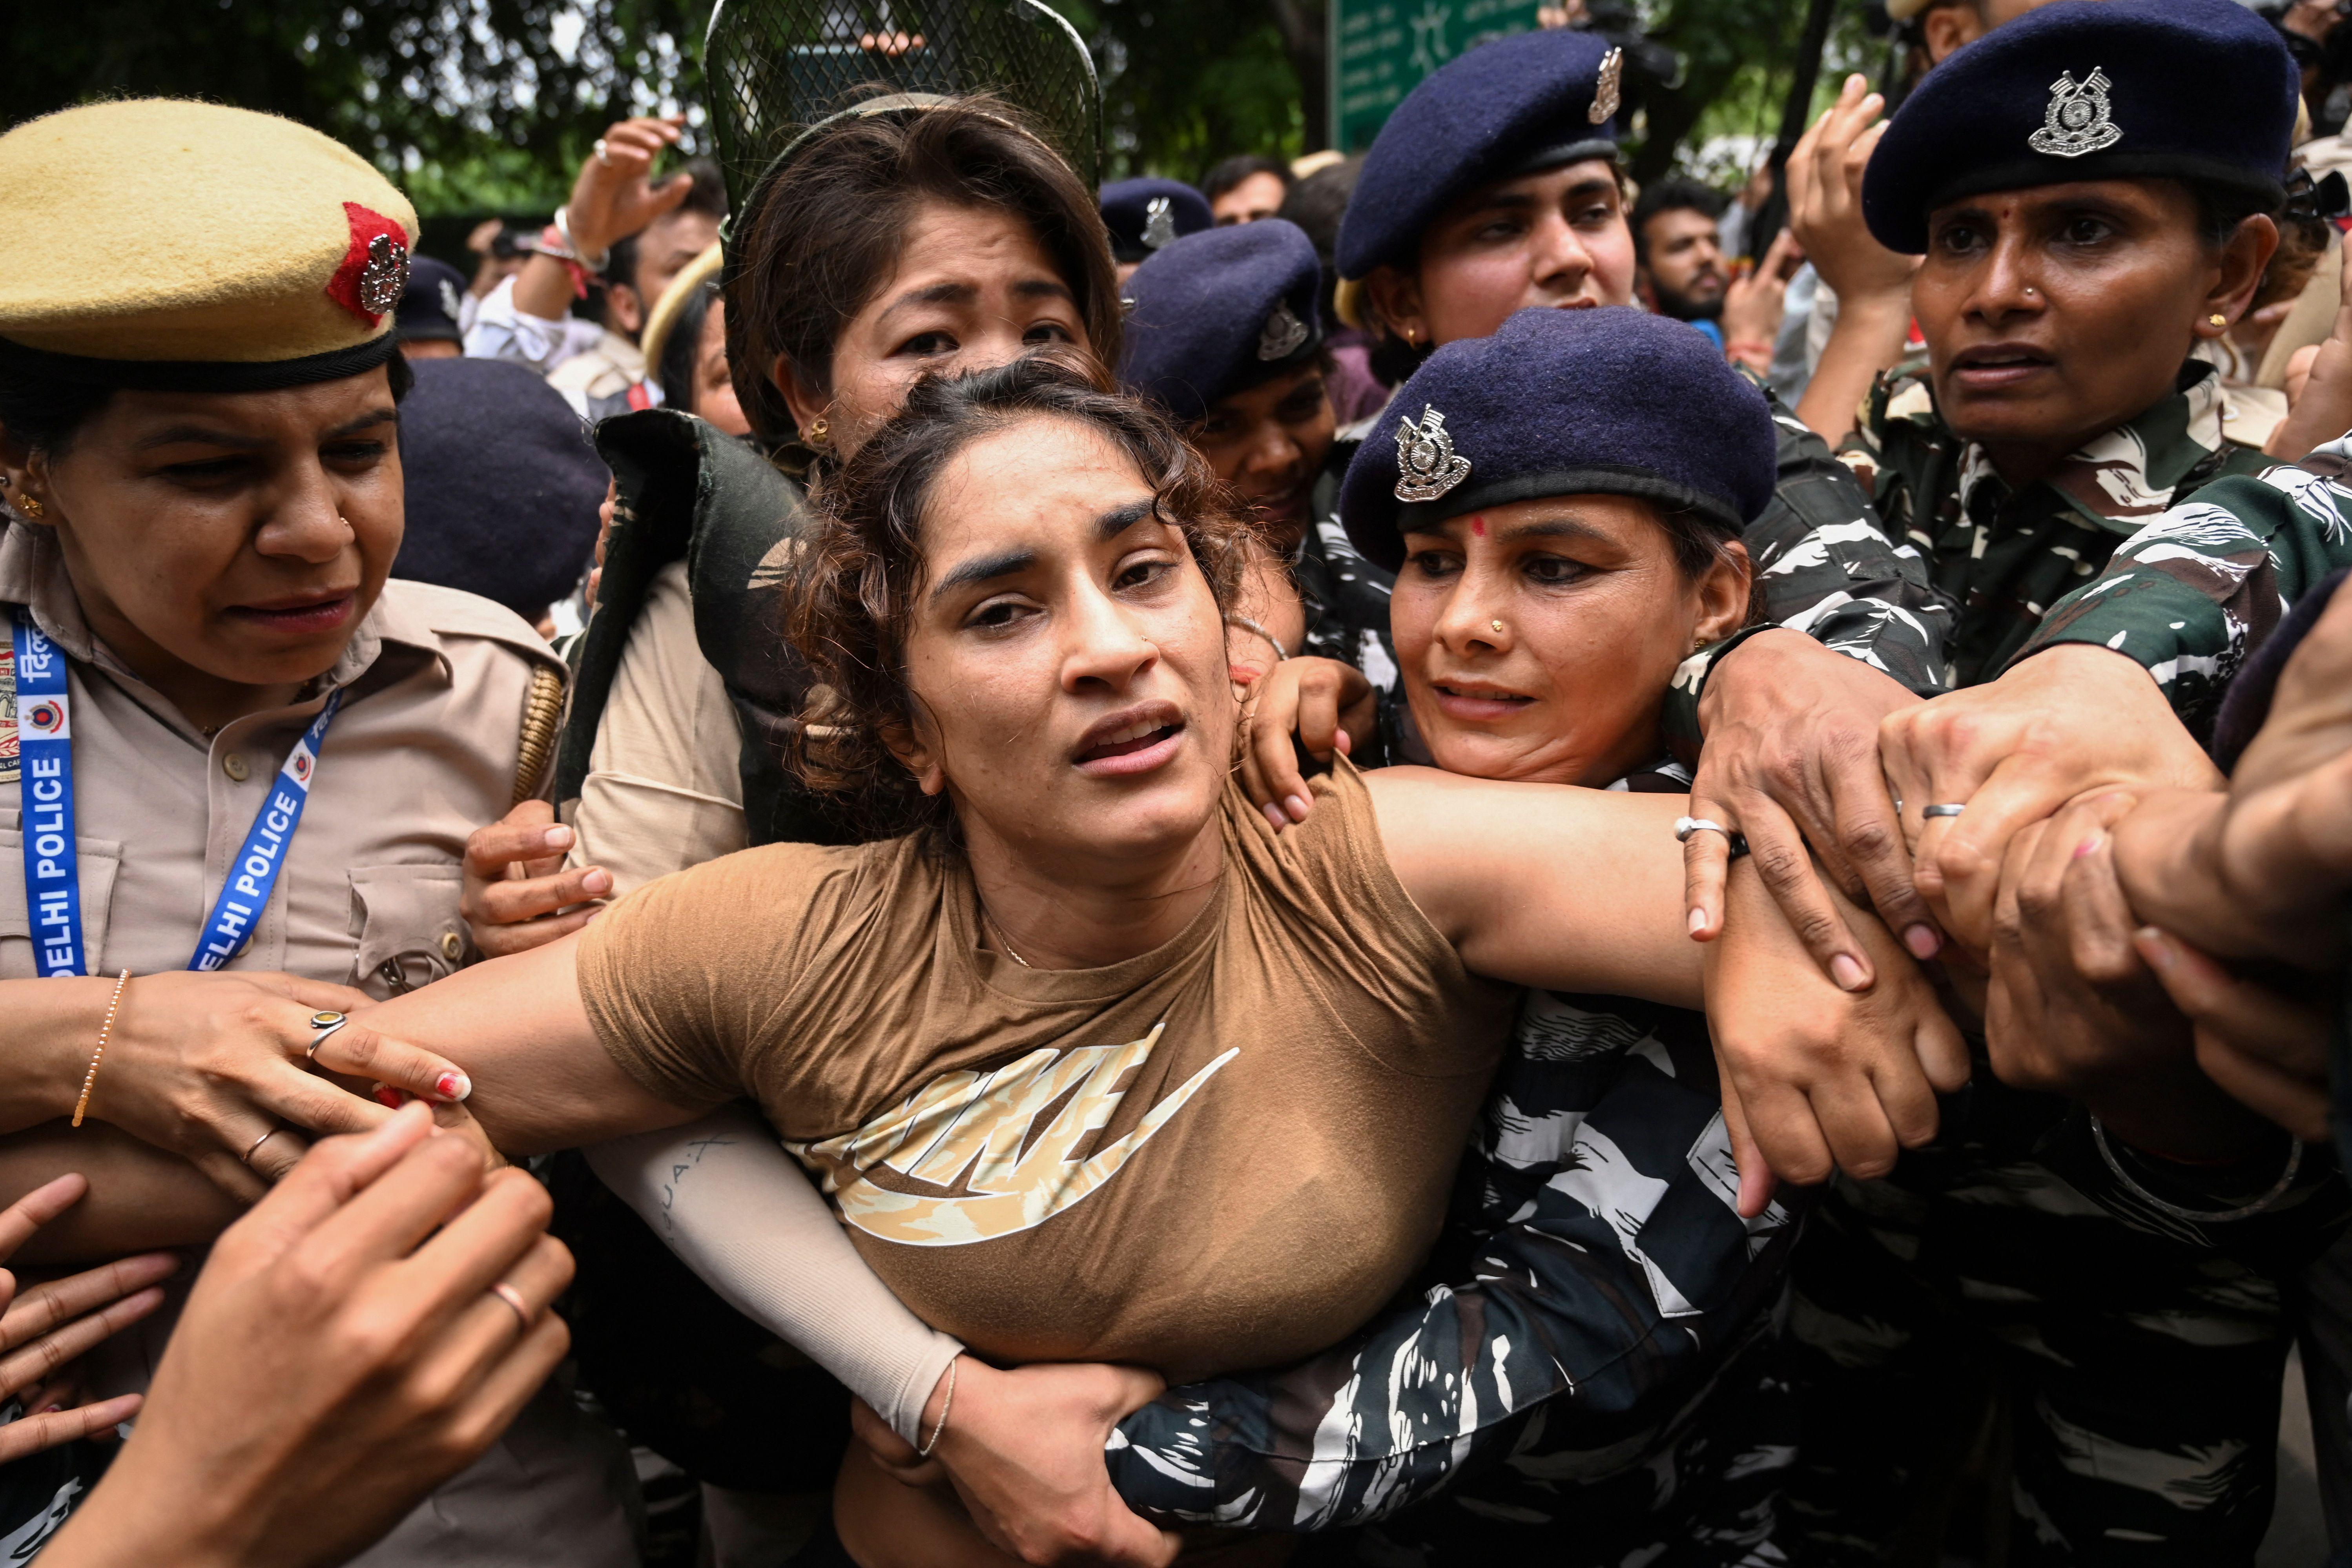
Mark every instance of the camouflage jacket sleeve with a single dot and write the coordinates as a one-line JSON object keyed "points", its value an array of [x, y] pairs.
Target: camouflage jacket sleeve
{"points": [[1617, 1282], [1828, 569], [2197, 590]]}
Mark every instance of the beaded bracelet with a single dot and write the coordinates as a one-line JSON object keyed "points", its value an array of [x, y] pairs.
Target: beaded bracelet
{"points": [[946, 1405], [90, 1078]]}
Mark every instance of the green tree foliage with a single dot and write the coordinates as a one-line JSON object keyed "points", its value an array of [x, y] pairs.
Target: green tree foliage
{"points": [[468, 104], [479, 105]]}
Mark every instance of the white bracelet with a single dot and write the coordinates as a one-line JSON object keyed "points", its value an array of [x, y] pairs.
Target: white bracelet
{"points": [[2200, 1216], [563, 226], [946, 1405]]}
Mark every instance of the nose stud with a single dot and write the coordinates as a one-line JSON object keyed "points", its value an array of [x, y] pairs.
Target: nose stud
{"points": [[1496, 625]]}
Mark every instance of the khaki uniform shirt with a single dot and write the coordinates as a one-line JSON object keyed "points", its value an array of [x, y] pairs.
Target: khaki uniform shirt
{"points": [[423, 752], [665, 785]]}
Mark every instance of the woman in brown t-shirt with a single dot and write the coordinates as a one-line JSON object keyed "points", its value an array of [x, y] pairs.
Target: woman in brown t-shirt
{"points": [[1090, 954]]}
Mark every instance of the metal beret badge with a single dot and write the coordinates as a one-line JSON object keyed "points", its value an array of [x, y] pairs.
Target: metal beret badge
{"points": [[2077, 119], [374, 269], [1426, 465]]}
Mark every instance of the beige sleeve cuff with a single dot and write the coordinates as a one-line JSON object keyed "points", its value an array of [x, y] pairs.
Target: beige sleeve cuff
{"points": [[740, 1212]]}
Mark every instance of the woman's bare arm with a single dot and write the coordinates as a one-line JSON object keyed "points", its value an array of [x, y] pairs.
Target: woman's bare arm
{"points": [[540, 1078], [1572, 889], [139, 1197]]}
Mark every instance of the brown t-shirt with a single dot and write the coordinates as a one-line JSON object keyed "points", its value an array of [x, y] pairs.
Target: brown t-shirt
{"points": [[1225, 1152]]}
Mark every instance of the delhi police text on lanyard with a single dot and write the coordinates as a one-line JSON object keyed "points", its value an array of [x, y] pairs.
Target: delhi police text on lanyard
{"points": [[52, 879]]}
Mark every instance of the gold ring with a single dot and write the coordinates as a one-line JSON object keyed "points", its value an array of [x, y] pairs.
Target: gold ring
{"points": [[255, 1147], [513, 1298]]}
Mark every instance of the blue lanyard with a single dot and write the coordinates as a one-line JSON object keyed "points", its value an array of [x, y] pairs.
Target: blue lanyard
{"points": [[52, 871]]}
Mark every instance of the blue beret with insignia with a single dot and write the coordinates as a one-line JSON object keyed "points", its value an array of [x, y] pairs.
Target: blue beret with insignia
{"points": [[430, 305], [1516, 106], [1144, 215], [1613, 401], [2201, 90], [1220, 312], [513, 517]]}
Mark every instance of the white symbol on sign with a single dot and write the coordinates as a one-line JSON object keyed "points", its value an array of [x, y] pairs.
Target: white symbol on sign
{"points": [[1429, 50]]}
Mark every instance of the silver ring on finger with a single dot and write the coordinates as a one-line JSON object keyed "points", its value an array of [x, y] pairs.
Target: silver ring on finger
{"points": [[1944, 810], [1686, 825], [323, 1023], [255, 1147], [603, 155], [513, 1298]]}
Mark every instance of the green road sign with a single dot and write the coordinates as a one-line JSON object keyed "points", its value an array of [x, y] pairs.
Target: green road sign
{"points": [[1380, 48]]}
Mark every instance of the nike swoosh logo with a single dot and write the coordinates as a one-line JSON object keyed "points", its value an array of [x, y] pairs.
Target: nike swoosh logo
{"points": [[994, 1147]]}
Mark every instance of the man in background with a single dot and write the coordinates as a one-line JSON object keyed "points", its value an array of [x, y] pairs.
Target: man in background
{"points": [[1246, 188], [623, 233], [1678, 254]]}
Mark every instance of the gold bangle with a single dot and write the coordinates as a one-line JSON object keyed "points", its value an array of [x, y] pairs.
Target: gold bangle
{"points": [[90, 1078]]}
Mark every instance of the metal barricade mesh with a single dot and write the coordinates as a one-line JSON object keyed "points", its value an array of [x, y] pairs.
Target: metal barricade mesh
{"points": [[773, 67]]}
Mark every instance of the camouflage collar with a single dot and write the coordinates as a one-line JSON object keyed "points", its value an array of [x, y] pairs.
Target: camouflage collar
{"points": [[2120, 480]]}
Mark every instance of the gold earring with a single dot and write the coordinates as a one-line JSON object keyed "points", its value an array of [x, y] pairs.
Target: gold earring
{"points": [[31, 506], [1697, 644], [2217, 321], [819, 431]]}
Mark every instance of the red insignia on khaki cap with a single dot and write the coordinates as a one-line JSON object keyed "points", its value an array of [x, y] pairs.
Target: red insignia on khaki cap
{"points": [[374, 269], [179, 245]]}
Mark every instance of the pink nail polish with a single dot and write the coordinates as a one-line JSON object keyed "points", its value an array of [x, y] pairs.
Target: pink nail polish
{"points": [[2089, 845]]}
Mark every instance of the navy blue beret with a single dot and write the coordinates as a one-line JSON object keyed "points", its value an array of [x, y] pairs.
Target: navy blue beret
{"points": [[1144, 215], [503, 484], [2090, 89], [1219, 311], [1613, 401], [429, 305], [1516, 106]]}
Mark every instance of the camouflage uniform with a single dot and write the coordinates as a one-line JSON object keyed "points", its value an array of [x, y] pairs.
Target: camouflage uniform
{"points": [[2004, 557], [2197, 590], [1592, 1364], [2140, 1355]]}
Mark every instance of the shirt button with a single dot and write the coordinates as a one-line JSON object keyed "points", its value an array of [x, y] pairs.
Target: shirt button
{"points": [[234, 766], [453, 946]]}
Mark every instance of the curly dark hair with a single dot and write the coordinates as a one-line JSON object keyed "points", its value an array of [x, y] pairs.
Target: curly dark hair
{"points": [[850, 597]]}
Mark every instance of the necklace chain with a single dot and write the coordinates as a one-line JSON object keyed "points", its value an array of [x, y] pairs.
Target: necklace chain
{"points": [[989, 920]]}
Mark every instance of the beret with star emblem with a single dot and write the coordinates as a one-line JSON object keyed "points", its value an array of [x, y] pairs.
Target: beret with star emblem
{"points": [[2200, 90], [174, 246], [1517, 105], [1610, 401], [1219, 311], [1144, 216]]}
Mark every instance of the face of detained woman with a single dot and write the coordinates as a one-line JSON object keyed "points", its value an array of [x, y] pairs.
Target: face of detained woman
{"points": [[227, 539], [2054, 314], [1066, 654], [1558, 239], [973, 288], [1595, 615]]}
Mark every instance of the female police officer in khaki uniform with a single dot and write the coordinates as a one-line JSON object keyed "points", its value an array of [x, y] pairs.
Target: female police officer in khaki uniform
{"points": [[238, 766]]}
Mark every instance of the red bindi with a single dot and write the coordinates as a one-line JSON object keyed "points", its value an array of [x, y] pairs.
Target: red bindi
{"points": [[1478, 524]]}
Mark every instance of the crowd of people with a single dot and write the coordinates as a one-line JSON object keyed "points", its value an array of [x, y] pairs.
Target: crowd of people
{"points": [[1412, 858]]}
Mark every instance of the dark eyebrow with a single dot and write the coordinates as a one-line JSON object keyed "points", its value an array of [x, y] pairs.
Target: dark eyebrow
{"points": [[1119, 518], [937, 294], [1553, 528], [198, 434], [1003, 563]]}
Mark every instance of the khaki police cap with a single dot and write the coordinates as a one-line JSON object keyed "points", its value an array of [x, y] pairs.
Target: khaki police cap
{"points": [[655, 340], [163, 244]]}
